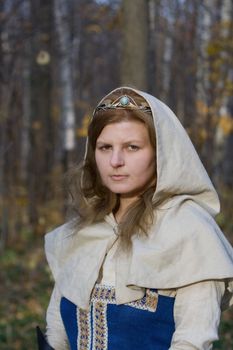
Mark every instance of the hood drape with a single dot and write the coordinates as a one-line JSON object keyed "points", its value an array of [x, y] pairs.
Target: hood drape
{"points": [[184, 245], [179, 169]]}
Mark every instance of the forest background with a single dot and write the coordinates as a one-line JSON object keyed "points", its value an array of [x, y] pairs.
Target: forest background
{"points": [[57, 59]]}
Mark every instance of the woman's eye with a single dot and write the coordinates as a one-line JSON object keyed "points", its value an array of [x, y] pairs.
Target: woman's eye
{"points": [[133, 147], [104, 147]]}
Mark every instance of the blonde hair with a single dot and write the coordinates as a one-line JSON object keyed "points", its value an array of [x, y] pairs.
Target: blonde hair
{"points": [[90, 198]]}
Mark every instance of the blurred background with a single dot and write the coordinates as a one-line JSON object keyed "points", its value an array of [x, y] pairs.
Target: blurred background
{"points": [[57, 59]]}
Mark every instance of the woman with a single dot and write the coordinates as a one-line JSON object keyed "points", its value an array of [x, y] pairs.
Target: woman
{"points": [[144, 266]]}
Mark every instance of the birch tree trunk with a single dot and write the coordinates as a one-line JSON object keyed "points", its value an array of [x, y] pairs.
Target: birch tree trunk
{"points": [[66, 82]]}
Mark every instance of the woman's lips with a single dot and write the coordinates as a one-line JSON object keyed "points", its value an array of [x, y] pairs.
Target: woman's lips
{"points": [[118, 177]]}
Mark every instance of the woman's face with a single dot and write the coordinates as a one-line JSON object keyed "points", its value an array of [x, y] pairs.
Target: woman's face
{"points": [[125, 158]]}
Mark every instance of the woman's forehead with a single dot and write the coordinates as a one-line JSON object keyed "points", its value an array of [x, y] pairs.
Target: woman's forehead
{"points": [[133, 129]]}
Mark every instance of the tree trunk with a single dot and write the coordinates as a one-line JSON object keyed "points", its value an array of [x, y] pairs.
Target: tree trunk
{"points": [[5, 142], [224, 143], [26, 104], [135, 44], [4, 217], [190, 74], [66, 82], [152, 4], [41, 132]]}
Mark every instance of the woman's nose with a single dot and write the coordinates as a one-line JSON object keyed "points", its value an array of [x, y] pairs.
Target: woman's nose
{"points": [[117, 159]]}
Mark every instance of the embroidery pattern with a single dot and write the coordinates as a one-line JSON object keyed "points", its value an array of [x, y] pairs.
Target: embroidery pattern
{"points": [[101, 297], [107, 295], [84, 330], [100, 329], [148, 302]]}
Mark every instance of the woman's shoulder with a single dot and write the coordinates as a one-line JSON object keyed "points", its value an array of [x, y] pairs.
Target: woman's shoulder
{"points": [[59, 234], [188, 224], [57, 242], [187, 215]]}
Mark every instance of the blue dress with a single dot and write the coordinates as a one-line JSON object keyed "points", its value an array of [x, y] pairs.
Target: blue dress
{"points": [[145, 324]]}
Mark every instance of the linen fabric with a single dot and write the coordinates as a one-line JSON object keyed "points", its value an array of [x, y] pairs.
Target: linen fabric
{"points": [[184, 248]]}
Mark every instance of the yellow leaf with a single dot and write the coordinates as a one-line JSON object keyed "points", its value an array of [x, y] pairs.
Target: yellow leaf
{"points": [[82, 132], [94, 28], [226, 124]]}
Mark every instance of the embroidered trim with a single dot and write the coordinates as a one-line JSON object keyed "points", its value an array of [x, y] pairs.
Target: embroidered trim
{"points": [[100, 328], [84, 329], [148, 302], [107, 295], [102, 296]]}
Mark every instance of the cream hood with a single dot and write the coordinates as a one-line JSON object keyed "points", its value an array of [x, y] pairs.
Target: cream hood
{"points": [[184, 245], [179, 169]]}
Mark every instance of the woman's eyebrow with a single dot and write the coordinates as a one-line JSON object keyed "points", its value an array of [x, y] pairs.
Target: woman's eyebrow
{"points": [[126, 141], [102, 142]]}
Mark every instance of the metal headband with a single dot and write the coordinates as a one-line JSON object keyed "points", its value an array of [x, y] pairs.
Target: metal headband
{"points": [[122, 102]]}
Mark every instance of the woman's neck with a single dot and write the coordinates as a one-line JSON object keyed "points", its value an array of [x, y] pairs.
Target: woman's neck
{"points": [[124, 205]]}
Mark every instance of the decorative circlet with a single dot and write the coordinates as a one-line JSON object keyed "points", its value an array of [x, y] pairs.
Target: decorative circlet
{"points": [[122, 102]]}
